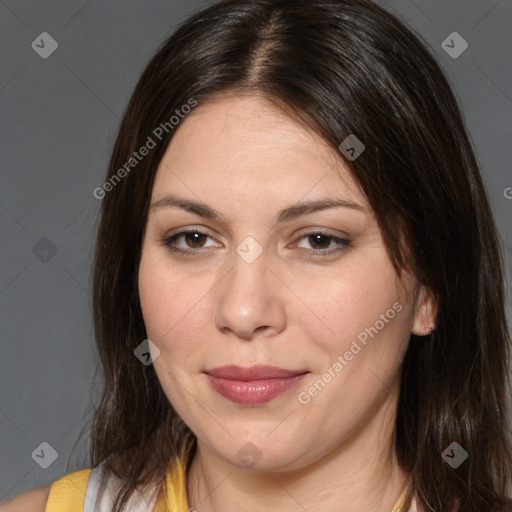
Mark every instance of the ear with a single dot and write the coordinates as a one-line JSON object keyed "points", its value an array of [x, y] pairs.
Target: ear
{"points": [[425, 313]]}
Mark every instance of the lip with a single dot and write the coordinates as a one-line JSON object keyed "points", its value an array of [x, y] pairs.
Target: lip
{"points": [[254, 385], [255, 372]]}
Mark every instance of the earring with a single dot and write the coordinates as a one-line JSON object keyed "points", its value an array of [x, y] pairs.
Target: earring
{"points": [[429, 327]]}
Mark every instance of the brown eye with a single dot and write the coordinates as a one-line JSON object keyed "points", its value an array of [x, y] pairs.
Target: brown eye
{"points": [[321, 240], [324, 243], [193, 239]]}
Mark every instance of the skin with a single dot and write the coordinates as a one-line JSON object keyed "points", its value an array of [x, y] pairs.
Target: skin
{"points": [[248, 160]]}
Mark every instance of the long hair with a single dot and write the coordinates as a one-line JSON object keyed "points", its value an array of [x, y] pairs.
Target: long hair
{"points": [[341, 67]]}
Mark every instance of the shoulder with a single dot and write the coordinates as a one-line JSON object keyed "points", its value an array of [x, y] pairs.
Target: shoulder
{"points": [[66, 493], [34, 500]]}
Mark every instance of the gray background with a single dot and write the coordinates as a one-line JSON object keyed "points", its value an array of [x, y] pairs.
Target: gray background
{"points": [[59, 119]]}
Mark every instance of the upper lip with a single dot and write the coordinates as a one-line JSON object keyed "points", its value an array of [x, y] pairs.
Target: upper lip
{"points": [[255, 372]]}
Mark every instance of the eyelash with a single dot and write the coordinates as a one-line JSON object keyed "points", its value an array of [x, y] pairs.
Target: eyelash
{"points": [[343, 243]]}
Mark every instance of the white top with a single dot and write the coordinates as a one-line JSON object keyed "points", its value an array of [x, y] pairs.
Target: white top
{"points": [[101, 493]]}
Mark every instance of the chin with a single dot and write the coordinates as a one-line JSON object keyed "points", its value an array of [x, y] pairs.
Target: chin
{"points": [[247, 452]]}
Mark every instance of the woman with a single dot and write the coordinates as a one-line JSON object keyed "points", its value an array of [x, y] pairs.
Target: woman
{"points": [[298, 287]]}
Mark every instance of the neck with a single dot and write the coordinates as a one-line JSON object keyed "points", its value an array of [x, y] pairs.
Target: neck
{"points": [[361, 474]]}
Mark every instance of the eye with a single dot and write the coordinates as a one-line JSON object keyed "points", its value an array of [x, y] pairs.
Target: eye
{"points": [[194, 238], [324, 243]]}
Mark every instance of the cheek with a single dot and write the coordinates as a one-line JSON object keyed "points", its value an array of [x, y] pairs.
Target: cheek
{"points": [[369, 321], [354, 300], [172, 309]]}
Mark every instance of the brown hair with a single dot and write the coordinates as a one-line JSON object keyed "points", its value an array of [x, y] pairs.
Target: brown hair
{"points": [[341, 67]]}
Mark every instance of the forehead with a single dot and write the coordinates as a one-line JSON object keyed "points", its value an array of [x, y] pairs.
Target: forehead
{"points": [[245, 146]]}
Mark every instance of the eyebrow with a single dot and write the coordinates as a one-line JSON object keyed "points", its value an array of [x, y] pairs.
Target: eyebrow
{"points": [[287, 214]]}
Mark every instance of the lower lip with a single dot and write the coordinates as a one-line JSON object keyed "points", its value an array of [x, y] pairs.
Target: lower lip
{"points": [[249, 392]]}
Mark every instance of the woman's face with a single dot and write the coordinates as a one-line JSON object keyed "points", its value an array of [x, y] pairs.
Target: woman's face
{"points": [[270, 281]]}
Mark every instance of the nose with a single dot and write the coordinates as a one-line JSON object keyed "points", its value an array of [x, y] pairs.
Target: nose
{"points": [[250, 300]]}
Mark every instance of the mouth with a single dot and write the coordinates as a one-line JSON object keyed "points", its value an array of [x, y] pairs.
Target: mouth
{"points": [[254, 385]]}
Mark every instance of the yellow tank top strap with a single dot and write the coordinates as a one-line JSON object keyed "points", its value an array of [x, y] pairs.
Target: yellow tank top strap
{"points": [[160, 505], [175, 488], [67, 494], [399, 503]]}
